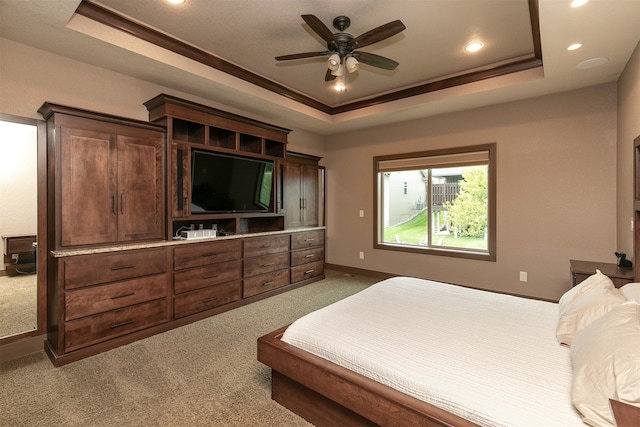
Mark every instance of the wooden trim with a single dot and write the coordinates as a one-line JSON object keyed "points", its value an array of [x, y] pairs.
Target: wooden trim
{"points": [[158, 106], [109, 18]]}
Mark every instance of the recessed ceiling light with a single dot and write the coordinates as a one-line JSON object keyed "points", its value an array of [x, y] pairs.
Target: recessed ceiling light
{"points": [[474, 46], [592, 63], [575, 46], [578, 3], [176, 1]]}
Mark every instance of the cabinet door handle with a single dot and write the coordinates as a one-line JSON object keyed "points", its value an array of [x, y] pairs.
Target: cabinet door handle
{"points": [[210, 254], [128, 294], [309, 256], [122, 203], [210, 277], [119, 325], [184, 206], [309, 240], [113, 204], [268, 264], [268, 283], [309, 271], [121, 267], [208, 300]]}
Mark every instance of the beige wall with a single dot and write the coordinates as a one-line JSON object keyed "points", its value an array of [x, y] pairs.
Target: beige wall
{"points": [[628, 130], [557, 163], [556, 190], [18, 181]]}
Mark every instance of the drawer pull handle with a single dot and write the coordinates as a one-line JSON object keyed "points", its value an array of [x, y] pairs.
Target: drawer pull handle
{"points": [[268, 283], [208, 300], [309, 256], [309, 271], [128, 294], [309, 240], [121, 267], [118, 325], [268, 264], [210, 277], [210, 254]]}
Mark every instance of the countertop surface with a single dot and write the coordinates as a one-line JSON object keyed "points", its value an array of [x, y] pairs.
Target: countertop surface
{"points": [[164, 243]]}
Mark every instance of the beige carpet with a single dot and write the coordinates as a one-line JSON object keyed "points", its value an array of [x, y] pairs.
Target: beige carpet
{"points": [[203, 374], [18, 304]]}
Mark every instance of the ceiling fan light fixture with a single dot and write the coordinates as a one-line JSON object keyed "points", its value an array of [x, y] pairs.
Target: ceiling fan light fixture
{"points": [[352, 64], [338, 72], [340, 85], [334, 62]]}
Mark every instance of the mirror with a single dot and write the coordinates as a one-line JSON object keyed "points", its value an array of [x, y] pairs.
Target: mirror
{"points": [[19, 225]]}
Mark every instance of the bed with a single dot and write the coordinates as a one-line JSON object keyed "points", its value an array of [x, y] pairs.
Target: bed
{"points": [[409, 351]]}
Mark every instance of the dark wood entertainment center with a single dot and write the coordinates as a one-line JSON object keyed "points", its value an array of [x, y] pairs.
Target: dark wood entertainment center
{"points": [[118, 193]]}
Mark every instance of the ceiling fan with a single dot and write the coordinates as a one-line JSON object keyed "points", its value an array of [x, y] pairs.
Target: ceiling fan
{"points": [[341, 46]]}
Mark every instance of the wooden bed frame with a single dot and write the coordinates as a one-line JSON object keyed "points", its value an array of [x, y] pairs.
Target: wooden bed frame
{"points": [[326, 394]]}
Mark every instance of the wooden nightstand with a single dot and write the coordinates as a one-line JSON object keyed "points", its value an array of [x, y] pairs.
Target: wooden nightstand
{"points": [[19, 255], [580, 270]]}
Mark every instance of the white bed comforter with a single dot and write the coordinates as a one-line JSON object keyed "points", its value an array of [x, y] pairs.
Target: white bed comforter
{"points": [[489, 358]]}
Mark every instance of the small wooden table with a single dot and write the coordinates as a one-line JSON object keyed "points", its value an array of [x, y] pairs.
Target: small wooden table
{"points": [[580, 270]]}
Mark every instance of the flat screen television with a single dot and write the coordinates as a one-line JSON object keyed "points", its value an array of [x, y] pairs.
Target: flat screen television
{"points": [[222, 183]]}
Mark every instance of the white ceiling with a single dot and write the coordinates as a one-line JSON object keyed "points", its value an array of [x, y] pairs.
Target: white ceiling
{"points": [[250, 33]]}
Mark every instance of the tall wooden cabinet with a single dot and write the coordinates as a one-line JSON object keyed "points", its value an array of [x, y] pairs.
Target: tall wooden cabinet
{"points": [[117, 192], [301, 190], [105, 179]]}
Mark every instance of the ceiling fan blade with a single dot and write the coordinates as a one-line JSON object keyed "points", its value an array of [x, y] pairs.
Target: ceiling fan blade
{"points": [[378, 34], [319, 28], [376, 60], [328, 76], [300, 55]]}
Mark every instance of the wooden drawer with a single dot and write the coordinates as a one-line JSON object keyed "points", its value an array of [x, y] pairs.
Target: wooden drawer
{"points": [[88, 270], [307, 271], [207, 298], [196, 255], [19, 244], [202, 277], [265, 282], [98, 299], [258, 246], [265, 264], [101, 327], [307, 239], [306, 256]]}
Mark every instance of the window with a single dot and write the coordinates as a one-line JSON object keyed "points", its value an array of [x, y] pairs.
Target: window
{"points": [[438, 202]]}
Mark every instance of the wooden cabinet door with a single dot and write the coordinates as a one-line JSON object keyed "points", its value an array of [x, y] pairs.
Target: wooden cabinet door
{"points": [[87, 202], [310, 195], [292, 195], [140, 190]]}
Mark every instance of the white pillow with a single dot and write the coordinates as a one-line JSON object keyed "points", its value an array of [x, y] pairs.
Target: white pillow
{"points": [[631, 291], [584, 303], [606, 364]]}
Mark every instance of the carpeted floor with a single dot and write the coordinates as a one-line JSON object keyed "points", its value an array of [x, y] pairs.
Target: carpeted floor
{"points": [[18, 304], [203, 374]]}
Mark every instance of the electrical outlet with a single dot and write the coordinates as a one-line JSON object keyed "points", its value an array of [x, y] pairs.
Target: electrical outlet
{"points": [[361, 213], [361, 255], [523, 276]]}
